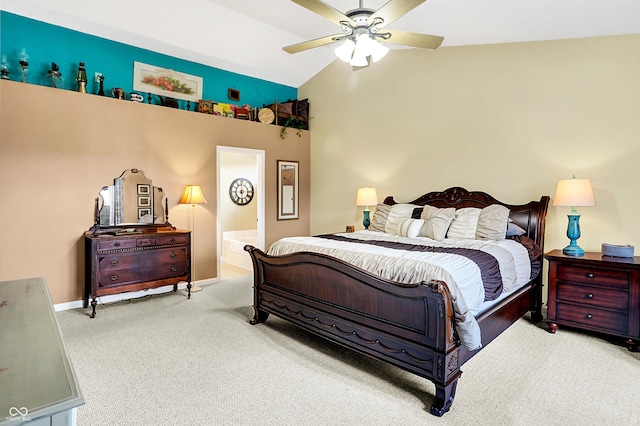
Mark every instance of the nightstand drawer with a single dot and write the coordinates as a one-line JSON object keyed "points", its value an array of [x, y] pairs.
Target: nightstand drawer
{"points": [[593, 296], [593, 318], [601, 277]]}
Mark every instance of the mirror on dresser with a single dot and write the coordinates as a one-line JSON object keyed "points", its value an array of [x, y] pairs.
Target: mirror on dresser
{"points": [[131, 202], [131, 245]]}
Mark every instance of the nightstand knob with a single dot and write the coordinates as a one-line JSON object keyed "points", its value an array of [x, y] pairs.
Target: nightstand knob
{"points": [[589, 295], [174, 269], [590, 275], [588, 316], [114, 277]]}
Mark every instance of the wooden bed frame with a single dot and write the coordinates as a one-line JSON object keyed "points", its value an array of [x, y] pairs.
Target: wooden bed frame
{"points": [[410, 326]]}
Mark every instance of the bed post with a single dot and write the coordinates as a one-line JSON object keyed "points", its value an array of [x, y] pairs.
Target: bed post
{"points": [[444, 398], [259, 316]]}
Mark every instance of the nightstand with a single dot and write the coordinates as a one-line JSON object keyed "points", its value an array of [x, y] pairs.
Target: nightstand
{"points": [[596, 293]]}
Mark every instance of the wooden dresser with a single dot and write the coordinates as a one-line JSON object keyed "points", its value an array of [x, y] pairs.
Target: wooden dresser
{"points": [[118, 262], [595, 292]]}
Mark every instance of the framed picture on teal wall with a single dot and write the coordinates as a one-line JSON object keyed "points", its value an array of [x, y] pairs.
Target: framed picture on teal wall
{"points": [[166, 82]]}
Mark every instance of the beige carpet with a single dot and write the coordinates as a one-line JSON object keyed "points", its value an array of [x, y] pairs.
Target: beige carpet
{"points": [[166, 360]]}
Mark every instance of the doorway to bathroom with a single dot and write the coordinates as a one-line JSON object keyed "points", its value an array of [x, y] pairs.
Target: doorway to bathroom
{"points": [[240, 208]]}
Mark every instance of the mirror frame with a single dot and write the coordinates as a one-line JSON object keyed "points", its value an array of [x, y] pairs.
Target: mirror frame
{"points": [[125, 228]]}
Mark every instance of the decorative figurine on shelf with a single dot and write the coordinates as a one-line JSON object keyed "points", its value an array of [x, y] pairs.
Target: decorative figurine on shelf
{"points": [[4, 74], [54, 76], [81, 78], [24, 65], [101, 90]]}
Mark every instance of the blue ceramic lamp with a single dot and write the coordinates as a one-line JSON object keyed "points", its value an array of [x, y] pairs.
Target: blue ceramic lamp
{"points": [[574, 193], [366, 197]]}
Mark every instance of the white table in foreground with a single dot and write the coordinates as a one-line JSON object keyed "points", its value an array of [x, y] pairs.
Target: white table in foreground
{"points": [[37, 382]]}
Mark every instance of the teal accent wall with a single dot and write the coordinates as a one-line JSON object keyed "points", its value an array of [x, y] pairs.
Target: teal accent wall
{"points": [[46, 43]]}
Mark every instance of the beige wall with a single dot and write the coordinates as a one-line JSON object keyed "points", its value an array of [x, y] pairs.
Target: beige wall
{"points": [[58, 148], [509, 119]]}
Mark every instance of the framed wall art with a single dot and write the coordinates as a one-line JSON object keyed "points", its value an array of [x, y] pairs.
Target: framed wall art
{"points": [[144, 189], [166, 82], [287, 190]]}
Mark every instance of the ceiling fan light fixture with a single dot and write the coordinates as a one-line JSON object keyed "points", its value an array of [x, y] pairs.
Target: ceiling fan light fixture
{"points": [[361, 51], [378, 50], [345, 51]]}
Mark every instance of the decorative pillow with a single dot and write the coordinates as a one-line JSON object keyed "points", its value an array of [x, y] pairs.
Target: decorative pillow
{"points": [[492, 222], [514, 230], [285, 108], [464, 224], [302, 108], [379, 219], [409, 228], [397, 213], [436, 222]]}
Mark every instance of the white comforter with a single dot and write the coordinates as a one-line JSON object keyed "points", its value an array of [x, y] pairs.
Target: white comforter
{"points": [[462, 275]]}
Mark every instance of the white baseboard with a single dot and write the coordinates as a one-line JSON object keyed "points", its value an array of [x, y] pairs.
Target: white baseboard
{"points": [[132, 295]]}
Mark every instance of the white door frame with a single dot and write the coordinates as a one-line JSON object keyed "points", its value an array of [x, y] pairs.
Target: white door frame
{"points": [[259, 195]]}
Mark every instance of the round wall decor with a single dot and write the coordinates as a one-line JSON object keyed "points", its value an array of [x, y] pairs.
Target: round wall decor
{"points": [[241, 191]]}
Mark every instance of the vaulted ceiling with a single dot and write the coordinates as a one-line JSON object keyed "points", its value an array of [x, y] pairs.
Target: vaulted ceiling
{"points": [[247, 36]]}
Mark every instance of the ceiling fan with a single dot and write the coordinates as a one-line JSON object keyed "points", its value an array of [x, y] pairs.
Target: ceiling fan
{"points": [[363, 29]]}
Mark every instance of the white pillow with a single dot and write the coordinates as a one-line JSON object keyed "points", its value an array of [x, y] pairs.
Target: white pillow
{"points": [[397, 214], [436, 222], [464, 225], [492, 222], [409, 228]]}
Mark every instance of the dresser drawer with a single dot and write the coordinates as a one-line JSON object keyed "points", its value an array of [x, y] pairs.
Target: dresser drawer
{"points": [[116, 278], [593, 296], [146, 242], [167, 255], [117, 261], [116, 244], [142, 272], [592, 318], [171, 239], [601, 277]]}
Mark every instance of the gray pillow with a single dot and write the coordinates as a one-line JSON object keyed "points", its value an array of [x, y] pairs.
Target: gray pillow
{"points": [[379, 219]]}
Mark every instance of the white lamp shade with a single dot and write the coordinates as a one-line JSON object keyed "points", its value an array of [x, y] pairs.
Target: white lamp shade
{"points": [[366, 197], [378, 50], [345, 51], [574, 193], [361, 51], [193, 195]]}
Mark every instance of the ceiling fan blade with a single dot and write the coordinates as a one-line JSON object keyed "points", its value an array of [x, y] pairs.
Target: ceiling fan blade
{"points": [[393, 10], [423, 41], [324, 10], [295, 48]]}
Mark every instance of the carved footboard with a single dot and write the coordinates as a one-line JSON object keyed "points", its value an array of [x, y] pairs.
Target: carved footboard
{"points": [[409, 326]]}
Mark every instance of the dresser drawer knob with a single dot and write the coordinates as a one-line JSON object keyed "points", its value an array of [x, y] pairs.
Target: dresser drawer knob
{"points": [[174, 269], [171, 240], [589, 295], [114, 277], [588, 316], [590, 275], [116, 244], [173, 255], [114, 262]]}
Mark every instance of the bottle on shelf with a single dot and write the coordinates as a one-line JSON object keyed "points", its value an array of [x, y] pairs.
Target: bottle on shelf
{"points": [[81, 78]]}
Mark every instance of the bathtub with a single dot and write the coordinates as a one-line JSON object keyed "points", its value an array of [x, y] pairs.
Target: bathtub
{"points": [[233, 243]]}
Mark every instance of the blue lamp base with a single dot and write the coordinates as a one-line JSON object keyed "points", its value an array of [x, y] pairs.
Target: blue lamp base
{"points": [[573, 233], [366, 222]]}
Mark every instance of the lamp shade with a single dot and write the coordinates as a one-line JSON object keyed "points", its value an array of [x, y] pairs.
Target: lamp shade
{"points": [[574, 193], [193, 195], [345, 50], [366, 197]]}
